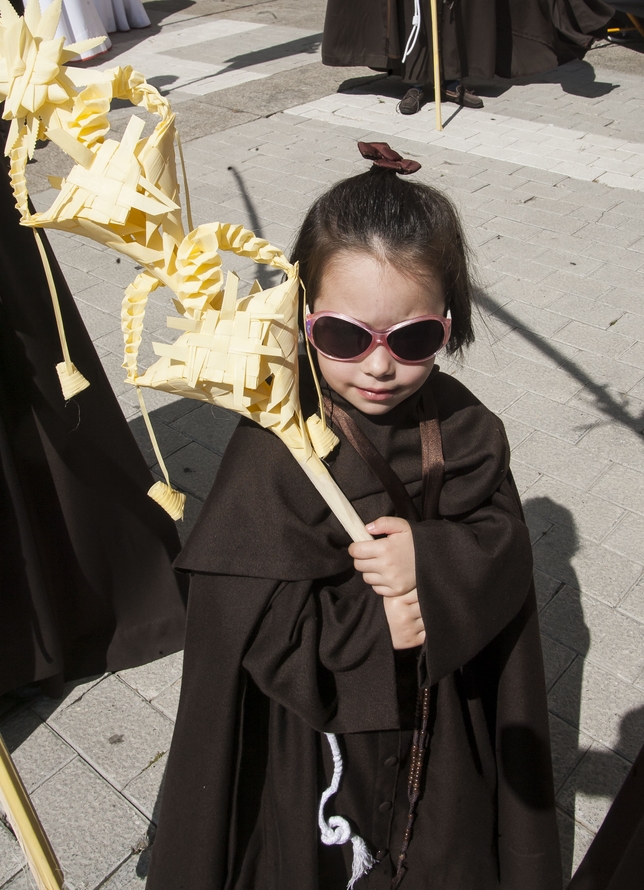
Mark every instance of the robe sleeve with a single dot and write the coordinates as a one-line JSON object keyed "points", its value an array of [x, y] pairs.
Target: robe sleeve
{"points": [[202, 765], [326, 654], [474, 563]]}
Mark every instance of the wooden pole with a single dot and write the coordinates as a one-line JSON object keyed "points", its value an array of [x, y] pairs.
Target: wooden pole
{"points": [[27, 827], [437, 64], [637, 23]]}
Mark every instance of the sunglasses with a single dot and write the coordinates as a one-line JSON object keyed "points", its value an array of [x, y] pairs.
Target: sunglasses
{"points": [[345, 339]]}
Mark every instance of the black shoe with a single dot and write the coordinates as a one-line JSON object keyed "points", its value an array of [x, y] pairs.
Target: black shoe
{"points": [[411, 101], [627, 37], [462, 96]]}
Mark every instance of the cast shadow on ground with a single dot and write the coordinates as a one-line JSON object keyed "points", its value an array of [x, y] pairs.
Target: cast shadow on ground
{"points": [[599, 777], [580, 771], [553, 529], [20, 721], [601, 773], [604, 400], [266, 275], [308, 45], [157, 11], [576, 78]]}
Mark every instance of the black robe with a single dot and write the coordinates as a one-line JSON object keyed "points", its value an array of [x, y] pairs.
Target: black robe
{"points": [[478, 38], [286, 641], [86, 578]]}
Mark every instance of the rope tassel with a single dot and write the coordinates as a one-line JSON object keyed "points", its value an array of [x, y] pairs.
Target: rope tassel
{"points": [[337, 830]]}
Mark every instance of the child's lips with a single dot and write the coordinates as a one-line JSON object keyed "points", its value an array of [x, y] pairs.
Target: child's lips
{"points": [[376, 395]]}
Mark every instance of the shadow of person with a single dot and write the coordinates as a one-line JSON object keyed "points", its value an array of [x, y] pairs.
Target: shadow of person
{"points": [[565, 639], [157, 11], [600, 394], [617, 852], [604, 770], [576, 78]]}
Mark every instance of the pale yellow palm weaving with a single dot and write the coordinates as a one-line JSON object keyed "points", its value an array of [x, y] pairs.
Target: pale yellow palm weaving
{"points": [[240, 354]]}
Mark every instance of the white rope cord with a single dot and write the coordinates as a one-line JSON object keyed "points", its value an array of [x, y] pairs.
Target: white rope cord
{"points": [[415, 30], [337, 830]]}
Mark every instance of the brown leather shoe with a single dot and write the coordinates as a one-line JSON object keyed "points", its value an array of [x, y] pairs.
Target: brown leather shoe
{"points": [[411, 102], [462, 96]]}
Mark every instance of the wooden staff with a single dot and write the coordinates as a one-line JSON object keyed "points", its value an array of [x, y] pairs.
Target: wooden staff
{"points": [[27, 827], [437, 64], [637, 23]]}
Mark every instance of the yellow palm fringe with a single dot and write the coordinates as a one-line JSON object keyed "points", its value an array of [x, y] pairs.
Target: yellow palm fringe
{"points": [[239, 354]]}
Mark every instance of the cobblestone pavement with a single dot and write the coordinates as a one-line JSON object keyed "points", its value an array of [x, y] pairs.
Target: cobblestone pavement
{"points": [[549, 179]]}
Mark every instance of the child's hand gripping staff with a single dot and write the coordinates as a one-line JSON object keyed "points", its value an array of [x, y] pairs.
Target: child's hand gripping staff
{"points": [[388, 566]]}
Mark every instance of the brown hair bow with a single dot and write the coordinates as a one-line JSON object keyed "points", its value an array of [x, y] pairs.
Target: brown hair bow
{"points": [[384, 156]]}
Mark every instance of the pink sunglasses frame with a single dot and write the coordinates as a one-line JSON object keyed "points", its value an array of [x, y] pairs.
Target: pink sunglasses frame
{"points": [[378, 338]]}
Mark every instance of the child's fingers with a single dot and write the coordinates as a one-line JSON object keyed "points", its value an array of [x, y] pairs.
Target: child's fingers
{"points": [[384, 590], [374, 579], [384, 585], [405, 623], [388, 525], [382, 563], [365, 549]]}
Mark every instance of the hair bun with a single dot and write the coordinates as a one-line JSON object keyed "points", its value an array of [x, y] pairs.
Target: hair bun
{"points": [[385, 157]]}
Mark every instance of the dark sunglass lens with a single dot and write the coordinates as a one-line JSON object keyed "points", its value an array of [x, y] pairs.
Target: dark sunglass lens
{"points": [[339, 338], [417, 341]]}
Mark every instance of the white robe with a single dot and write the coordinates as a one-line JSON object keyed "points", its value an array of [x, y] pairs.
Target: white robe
{"points": [[82, 19]]}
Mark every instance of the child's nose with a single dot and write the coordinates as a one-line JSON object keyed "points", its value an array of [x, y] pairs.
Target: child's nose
{"points": [[379, 363]]}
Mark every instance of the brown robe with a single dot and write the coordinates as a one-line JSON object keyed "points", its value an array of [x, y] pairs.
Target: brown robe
{"points": [[285, 641], [479, 38], [86, 578]]}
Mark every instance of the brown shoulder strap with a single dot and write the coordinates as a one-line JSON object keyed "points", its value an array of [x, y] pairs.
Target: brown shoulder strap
{"points": [[403, 504], [432, 455], [432, 459]]}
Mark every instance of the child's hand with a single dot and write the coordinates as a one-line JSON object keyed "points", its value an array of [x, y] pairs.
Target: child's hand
{"points": [[388, 564], [405, 622]]}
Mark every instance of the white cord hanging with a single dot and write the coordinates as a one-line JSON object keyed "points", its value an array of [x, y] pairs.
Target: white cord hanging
{"points": [[337, 830], [415, 30]]}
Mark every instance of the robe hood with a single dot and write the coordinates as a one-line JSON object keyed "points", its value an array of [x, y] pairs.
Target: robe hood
{"points": [[289, 532]]}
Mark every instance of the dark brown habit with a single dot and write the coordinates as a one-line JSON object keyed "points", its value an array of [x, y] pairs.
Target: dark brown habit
{"points": [[615, 859], [86, 578], [478, 38], [285, 641]]}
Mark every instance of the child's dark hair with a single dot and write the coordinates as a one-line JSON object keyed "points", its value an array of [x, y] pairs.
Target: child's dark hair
{"points": [[408, 224]]}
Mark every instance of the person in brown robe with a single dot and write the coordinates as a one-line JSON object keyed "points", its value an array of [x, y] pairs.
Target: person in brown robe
{"points": [[478, 38], [86, 577], [287, 640]]}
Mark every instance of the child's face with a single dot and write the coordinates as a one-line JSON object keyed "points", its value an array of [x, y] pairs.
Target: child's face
{"points": [[374, 292]]}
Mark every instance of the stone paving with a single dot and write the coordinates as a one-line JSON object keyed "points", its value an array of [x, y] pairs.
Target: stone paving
{"points": [[559, 258]]}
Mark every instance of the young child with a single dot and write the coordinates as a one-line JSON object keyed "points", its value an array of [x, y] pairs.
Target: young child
{"points": [[419, 650]]}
